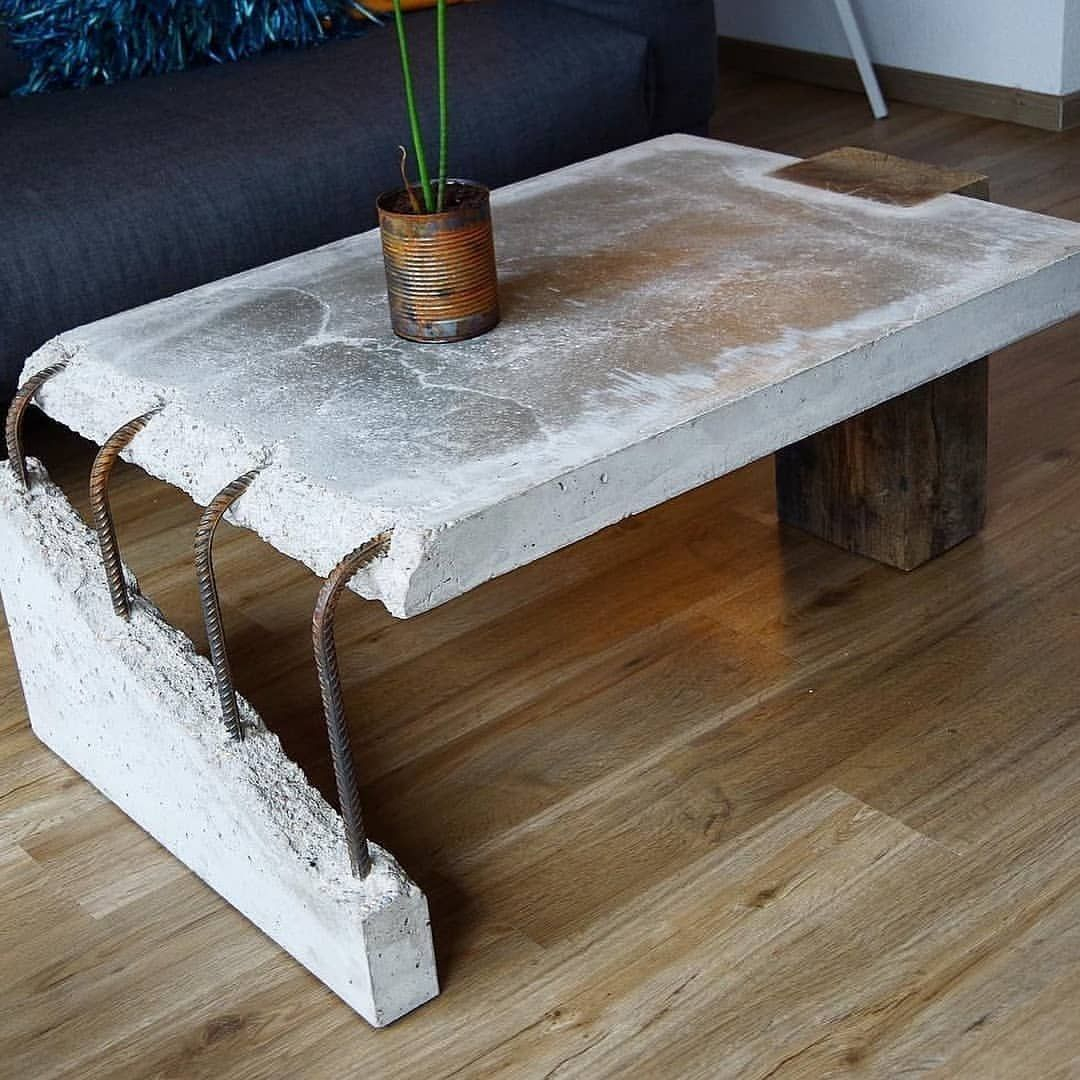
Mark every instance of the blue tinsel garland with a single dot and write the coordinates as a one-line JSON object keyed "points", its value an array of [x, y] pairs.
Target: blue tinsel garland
{"points": [[80, 42]]}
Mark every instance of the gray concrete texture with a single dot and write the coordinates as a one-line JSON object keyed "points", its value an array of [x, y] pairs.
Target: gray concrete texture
{"points": [[671, 311]]}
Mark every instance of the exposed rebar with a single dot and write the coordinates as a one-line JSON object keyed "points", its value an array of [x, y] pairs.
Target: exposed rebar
{"points": [[326, 661], [208, 595], [16, 414], [100, 474]]}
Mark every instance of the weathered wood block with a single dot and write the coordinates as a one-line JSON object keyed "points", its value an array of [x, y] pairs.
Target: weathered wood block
{"points": [[900, 483], [904, 481], [884, 178]]}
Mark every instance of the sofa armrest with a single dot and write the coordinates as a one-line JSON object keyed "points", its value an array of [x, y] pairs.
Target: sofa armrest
{"points": [[682, 39]]}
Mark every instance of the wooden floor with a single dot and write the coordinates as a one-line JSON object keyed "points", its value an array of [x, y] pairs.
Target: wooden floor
{"points": [[697, 797]]}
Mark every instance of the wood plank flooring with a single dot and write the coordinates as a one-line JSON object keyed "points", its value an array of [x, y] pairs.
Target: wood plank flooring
{"points": [[698, 797]]}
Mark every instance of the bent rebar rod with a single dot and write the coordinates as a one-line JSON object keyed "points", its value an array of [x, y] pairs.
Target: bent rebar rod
{"points": [[208, 595], [17, 412], [322, 631], [100, 474]]}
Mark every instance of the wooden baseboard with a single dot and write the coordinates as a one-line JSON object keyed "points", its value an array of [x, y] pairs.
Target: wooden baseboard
{"points": [[1052, 112], [1070, 111]]}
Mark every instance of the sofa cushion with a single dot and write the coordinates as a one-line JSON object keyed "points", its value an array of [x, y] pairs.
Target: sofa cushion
{"points": [[115, 196], [682, 35]]}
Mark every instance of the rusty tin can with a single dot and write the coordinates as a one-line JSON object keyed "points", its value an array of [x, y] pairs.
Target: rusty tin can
{"points": [[440, 268]]}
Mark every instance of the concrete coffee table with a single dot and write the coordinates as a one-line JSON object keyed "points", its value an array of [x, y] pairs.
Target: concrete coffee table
{"points": [[671, 312]]}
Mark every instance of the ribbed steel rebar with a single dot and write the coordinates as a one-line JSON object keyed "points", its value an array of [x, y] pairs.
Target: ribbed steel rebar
{"points": [[326, 661], [17, 412], [100, 474], [211, 605]]}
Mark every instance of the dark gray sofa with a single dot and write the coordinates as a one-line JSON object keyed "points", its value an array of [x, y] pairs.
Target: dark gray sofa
{"points": [[118, 195]]}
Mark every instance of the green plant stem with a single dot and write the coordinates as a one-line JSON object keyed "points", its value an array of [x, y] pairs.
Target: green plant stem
{"points": [[410, 104], [444, 139]]}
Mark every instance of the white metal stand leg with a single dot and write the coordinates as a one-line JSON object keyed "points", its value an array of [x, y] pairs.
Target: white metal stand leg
{"points": [[862, 58]]}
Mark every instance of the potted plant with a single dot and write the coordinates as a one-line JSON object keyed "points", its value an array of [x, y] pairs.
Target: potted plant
{"points": [[436, 235]]}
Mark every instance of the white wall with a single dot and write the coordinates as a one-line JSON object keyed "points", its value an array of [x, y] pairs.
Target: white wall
{"points": [[1070, 75], [1032, 44]]}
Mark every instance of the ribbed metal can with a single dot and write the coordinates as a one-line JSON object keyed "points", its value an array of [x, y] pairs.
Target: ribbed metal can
{"points": [[440, 268]]}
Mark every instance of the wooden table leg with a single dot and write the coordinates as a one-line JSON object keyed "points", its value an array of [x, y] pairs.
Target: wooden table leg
{"points": [[900, 483], [904, 481]]}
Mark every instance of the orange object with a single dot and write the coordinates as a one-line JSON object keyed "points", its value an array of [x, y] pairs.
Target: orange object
{"points": [[387, 6]]}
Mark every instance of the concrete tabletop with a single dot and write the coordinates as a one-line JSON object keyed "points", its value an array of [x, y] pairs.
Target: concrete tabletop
{"points": [[671, 312]]}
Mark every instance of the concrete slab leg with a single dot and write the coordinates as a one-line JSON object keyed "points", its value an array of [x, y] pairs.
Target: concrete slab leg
{"points": [[134, 708]]}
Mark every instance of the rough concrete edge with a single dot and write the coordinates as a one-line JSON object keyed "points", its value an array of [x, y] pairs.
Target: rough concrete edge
{"points": [[294, 815], [299, 518]]}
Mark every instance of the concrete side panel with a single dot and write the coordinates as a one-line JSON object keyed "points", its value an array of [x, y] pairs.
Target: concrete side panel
{"points": [[132, 707]]}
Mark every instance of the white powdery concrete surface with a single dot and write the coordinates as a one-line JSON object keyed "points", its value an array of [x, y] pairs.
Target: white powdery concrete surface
{"points": [[671, 312], [133, 708]]}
